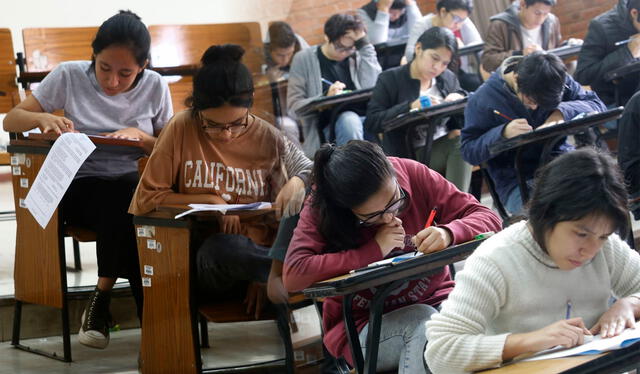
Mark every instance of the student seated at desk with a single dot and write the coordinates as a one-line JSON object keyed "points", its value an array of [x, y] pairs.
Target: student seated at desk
{"points": [[365, 207], [389, 20], [112, 95], [543, 282], [454, 15], [600, 54], [629, 151], [525, 27], [400, 89], [527, 93], [217, 152], [347, 59]]}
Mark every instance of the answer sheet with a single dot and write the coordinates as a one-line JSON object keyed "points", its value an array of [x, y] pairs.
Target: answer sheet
{"points": [[58, 170]]}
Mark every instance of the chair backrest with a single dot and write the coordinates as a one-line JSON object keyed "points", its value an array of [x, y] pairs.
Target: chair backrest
{"points": [[8, 88], [183, 45], [46, 48]]}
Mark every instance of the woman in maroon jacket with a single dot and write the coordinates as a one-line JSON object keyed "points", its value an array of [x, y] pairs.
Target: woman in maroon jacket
{"points": [[365, 207]]}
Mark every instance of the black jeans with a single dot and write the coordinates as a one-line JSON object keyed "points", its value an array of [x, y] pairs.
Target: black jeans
{"points": [[101, 204], [227, 263]]}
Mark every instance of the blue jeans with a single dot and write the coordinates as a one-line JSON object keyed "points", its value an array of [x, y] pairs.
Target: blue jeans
{"points": [[403, 337], [348, 127], [513, 205]]}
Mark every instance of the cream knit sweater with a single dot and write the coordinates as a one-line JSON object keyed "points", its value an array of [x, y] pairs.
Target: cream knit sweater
{"points": [[510, 285]]}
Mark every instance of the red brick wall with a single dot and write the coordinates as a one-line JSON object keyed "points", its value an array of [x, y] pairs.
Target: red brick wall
{"points": [[308, 16]]}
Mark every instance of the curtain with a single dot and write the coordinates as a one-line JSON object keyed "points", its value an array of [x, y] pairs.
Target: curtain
{"points": [[484, 9]]}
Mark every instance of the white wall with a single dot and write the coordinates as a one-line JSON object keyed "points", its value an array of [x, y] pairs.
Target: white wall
{"points": [[17, 15]]}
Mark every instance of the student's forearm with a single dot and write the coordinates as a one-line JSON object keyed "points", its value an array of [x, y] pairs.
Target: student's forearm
{"points": [[515, 345], [20, 120], [148, 141], [184, 199]]}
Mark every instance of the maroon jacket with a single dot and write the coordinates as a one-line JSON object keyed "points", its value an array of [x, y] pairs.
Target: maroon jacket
{"points": [[306, 263]]}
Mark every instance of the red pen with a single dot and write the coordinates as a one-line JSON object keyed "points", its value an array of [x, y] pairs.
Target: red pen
{"points": [[429, 222], [502, 115]]}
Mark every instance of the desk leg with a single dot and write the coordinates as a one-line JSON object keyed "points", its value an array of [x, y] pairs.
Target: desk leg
{"points": [[169, 340], [352, 333], [375, 321]]}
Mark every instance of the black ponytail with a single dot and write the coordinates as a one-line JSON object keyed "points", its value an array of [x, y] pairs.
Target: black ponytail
{"points": [[222, 79], [345, 177]]}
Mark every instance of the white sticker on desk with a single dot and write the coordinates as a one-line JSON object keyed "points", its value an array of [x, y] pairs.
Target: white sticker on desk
{"points": [[146, 282], [159, 247], [28, 162], [146, 231], [14, 160], [298, 355], [148, 270], [151, 244], [21, 203], [15, 170], [24, 182]]}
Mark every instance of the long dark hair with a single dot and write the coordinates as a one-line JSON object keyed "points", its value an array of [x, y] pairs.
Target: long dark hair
{"points": [[437, 37], [345, 177], [222, 79], [125, 29], [576, 185]]}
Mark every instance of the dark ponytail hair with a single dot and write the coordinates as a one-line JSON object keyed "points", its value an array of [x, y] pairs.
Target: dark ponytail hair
{"points": [[576, 185], [127, 30], [345, 177], [222, 79], [437, 37]]}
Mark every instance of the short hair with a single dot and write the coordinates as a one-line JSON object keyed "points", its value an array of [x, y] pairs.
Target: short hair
{"points": [[529, 3], [339, 24], [281, 35], [398, 4], [222, 79], [633, 4], [437, 37], [576, 185], [450, 5], [540, 76]]}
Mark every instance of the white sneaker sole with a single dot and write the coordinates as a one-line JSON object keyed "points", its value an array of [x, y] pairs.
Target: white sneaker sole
{"points": [[92, 338]]}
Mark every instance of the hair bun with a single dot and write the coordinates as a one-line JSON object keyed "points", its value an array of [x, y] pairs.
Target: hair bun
{"points": [[129, 13], [222, 53]]}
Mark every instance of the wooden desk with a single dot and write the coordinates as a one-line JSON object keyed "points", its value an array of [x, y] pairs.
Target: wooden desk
{"points": [[169, 341], [424, 117], [386, 279], [549, 137], [336, 104], [38, 248]]}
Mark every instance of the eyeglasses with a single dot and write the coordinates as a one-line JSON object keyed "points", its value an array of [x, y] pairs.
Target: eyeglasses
{"points": [[234, 127], [456, 18], [339, 47], [393, 207]]}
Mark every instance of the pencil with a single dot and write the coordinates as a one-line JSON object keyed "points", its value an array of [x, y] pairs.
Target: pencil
{"points": [[327, 81], [502, 115], [621, 42]]}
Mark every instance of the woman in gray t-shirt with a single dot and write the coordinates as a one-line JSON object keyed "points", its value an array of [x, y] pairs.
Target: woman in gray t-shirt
{"points": [[112, 95]]}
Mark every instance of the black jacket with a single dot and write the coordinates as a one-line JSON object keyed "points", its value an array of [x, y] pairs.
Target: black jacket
{"points": [[599, 55], [629, 150], [393, 94]]}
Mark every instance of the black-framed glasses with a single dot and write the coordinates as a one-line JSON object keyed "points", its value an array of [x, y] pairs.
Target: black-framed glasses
{"points": [[339, 47], [393, 207], [234, 127]]}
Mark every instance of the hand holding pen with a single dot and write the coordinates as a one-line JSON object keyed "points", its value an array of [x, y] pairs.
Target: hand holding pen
{"points": [[515, 127], [431, 238]]}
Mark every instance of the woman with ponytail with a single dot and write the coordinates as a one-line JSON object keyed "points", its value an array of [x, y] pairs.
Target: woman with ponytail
{"points": [[217, 152], [365, 207]]}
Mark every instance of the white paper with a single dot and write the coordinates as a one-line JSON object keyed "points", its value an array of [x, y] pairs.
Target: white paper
{"points": [[58, 170], [223, 208], [596, 346]]}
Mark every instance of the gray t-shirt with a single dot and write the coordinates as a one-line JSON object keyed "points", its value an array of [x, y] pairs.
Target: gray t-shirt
{"points": [[73, 87]]}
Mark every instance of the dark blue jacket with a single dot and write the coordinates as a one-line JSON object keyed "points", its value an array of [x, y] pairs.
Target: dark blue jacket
{"points": [[483, 128]]}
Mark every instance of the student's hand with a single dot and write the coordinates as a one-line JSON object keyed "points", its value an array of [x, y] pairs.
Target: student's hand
{"points": [[432, 239], [48, 122], [567, 333], [289, 200], [390, 236], [616, 319], [336, 88], [454, 134], [516, 127], [453, 97], [275, 287], [634, 45], [575, 41], [435, 100], [555, 118], [384, 5], [416, 105], [403, 60], [530, 49], [274, 73], [256, 298], [460, 42], [230, 225], [356, 35], [131, 133]]}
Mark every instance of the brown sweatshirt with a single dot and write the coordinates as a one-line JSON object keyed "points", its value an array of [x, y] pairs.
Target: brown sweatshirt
{"points": [[253, 167]]}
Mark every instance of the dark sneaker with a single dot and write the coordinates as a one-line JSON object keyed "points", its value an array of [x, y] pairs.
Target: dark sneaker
{"points": [[94, 331]]}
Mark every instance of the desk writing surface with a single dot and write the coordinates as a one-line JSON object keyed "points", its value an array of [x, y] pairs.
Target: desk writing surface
{"points": [[544, 366], [96, 139], [622, 71], [470, 48], [324, 102], [566, 51], [565, 128], [445, 109], [421, 265]]}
